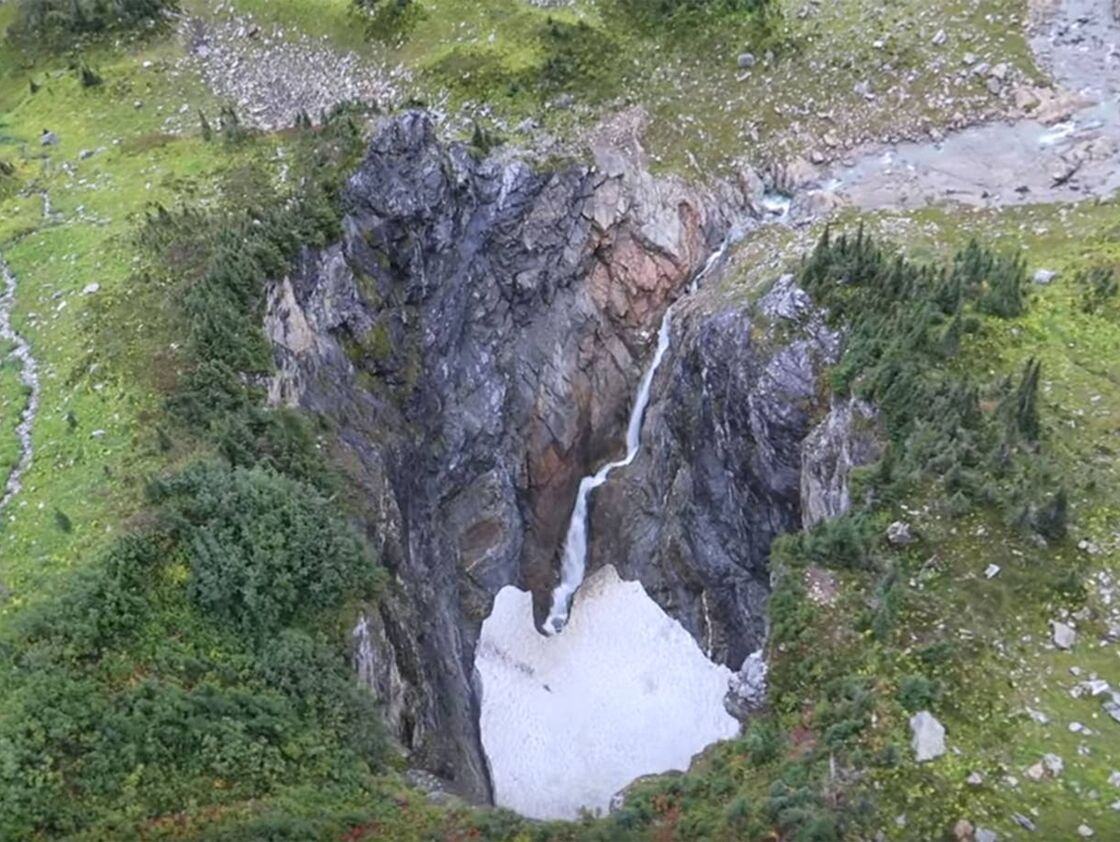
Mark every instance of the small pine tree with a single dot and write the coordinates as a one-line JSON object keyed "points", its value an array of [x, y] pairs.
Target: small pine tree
{"points": [[62, 521], [71, 421], [207, 129], [1052, 520], [89, 77], [1026, 402]]}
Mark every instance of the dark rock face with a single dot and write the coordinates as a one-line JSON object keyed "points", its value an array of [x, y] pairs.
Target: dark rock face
{"points": [[473, 345], [719, 475]]}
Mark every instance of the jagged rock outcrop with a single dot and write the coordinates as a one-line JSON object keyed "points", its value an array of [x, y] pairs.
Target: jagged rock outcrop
{"points": [[848, 437], [718, 477], [472, 346]]}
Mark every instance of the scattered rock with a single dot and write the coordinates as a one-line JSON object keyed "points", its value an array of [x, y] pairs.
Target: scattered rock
{"points": [[899, 534], [85, 154], [1036, 772], [1064, 635], [939, 39], [1076, 727], [1054, 764], [928, 736], [975, 779], [1114, 779], [97, 434], [991, 571], [48, 138], [1084, 831], [90, 289], [985, 835], [995, 86], [865, 89], [1044, 276], [1022, 821], [747, 60], [962, 830], [1112, 706]]}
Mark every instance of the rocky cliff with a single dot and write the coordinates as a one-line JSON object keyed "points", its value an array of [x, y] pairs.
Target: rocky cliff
{"points": [[719, 476], [472, 347], [473, 344]]}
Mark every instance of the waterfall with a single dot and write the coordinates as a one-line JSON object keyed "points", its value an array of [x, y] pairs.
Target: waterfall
{"points": [[574, 562]]}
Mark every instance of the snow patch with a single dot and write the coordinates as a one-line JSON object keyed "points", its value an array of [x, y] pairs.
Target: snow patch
{"points": [[567, 721]]}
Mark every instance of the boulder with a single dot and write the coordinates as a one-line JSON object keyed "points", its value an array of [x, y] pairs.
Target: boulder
{"points": [[899, 534], [1064, 635], [746, 692], [928, 736]]}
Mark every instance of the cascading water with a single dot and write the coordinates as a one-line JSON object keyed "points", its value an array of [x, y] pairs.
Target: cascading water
{"points": [[574, 563]]}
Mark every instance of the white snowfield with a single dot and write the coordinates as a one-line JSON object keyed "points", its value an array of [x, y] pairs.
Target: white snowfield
{"points": [[569, 720]]}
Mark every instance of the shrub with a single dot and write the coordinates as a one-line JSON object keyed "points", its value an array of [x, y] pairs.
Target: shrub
{"points": [[264, 550], [916, 692]]}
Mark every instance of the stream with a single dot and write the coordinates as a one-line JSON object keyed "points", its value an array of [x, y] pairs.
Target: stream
{"points": [[21, 352], [1023, 162]]}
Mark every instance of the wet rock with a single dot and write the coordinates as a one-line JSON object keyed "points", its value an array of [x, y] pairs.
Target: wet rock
{"points": [[693, 516], [1063, 635], [928, 736]]}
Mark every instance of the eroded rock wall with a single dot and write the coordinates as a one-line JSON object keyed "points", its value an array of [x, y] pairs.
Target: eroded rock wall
{"points": [[472, 347]]}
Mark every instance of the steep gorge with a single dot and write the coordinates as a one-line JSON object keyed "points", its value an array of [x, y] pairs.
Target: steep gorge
{"points": [[473, 345]]}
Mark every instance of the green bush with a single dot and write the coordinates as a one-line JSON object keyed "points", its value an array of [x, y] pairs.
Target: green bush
{"points": [[916, 692], [265, 551]]}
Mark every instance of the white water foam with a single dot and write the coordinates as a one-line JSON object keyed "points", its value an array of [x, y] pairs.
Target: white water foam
{"points": [[573, 565], [569, 720]]}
